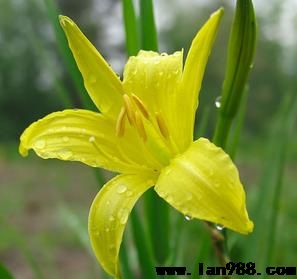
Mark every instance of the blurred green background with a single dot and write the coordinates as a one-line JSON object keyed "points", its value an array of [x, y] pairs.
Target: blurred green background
{"points": [[44, 204]]}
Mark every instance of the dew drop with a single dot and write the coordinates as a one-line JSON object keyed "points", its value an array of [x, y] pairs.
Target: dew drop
{"points": [[123, 216], [129, 193], [176, 72], [218, 103], [188, 218], [157, 62], [40, 144], [161, 74], [111, 218], [121, 189], [92, 139], [65, 139], [219, 227], [65, 154], [112, 249]]}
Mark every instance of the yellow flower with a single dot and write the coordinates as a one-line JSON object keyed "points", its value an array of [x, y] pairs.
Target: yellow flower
{"points": [[145, 132]]}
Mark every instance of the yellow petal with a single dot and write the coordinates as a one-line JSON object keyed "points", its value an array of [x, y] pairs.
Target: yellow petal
{"points": [[154, 78], [77, 135], [102, 84], [109, 214], [195, 64], [203, 183]]}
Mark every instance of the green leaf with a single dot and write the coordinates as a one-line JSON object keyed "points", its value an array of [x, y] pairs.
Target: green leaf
{"points": [[260, 245], [241, 50], [53, 12], [132, 37], [4, 273], [149, 40]]}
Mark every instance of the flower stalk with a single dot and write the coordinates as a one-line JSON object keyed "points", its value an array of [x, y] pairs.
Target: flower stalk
{"points": [[241, 50]]}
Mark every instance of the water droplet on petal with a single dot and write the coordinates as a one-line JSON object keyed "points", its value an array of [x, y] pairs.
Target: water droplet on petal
{"points": [[218, 102], [123, 215], [65, 154], [188, 218], [92, 139], [129, 193], [219, 227], [121, 189], [65, 139], [40, 144], [111, 218], [112, 249]]}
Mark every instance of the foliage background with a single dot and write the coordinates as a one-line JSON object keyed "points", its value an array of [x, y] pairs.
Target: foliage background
{"points": [[44, 204]]}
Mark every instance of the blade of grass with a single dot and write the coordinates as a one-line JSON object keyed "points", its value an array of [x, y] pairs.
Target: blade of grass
{"points": [[241, 50], [286, 125], [143, 245], [132, 37], [53, 12], [21, 243], [260, 245], [157, 210], [4, 273], [149, 38], [234, 140], [201, 128]]}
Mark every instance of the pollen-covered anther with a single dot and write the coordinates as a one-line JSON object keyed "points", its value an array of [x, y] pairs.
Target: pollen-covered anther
{"points": [[162, 125], [120, 126], [141, 106], [140, 126], [129, 108]]}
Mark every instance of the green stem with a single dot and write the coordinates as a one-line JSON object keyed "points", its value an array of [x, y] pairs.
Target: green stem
{"points": [[157, 213], [143, 246], [222, 130], [125, 266], [157, 210]]}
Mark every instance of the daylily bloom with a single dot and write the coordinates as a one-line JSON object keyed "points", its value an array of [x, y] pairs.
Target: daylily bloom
{"points": [[144, 131]]}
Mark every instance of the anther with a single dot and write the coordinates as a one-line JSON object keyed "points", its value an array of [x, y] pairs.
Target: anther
{"points": [[120, 126], [129, 108], [141, 106], [139, 126], [162, 125]]}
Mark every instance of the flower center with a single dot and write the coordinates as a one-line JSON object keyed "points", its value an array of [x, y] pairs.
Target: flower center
{"points": [[139, 117]]}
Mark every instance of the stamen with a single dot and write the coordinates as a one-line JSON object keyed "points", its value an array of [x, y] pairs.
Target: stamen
{"points": [[162, 125], [141, 106], [139, 126], [129, 108], [120, 126]]}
